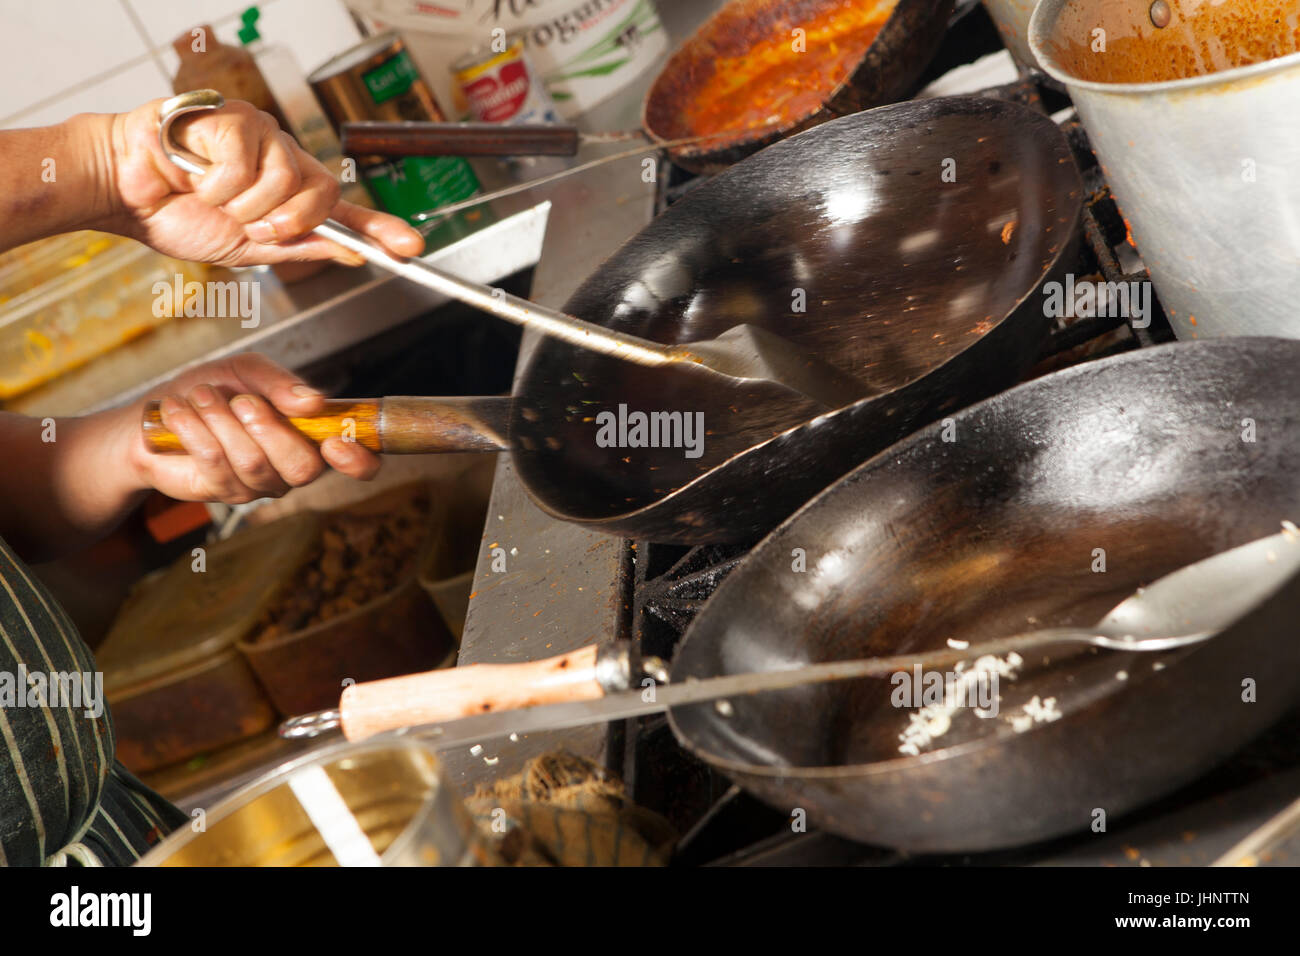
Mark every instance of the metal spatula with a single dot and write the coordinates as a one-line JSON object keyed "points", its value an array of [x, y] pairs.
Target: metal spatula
{"points": [[744, 355], [590, 685]]}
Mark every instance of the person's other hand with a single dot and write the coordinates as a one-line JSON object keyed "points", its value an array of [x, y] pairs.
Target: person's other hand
{"points": [[256, 205], [230, 417]]}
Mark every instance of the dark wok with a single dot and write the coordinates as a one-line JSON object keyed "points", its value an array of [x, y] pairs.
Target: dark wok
{"points": [[1140, 455], [925, 289], [847, 241]]}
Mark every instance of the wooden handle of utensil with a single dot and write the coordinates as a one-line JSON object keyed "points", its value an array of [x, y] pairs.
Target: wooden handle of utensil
{"points": [[437, 696], [357, 418], [458, 139], [391, 426]]}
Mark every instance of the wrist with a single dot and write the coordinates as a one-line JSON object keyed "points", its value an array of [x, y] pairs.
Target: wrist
{"points": [[114, 449], [56, 179], [95, 138], [132, 456]]}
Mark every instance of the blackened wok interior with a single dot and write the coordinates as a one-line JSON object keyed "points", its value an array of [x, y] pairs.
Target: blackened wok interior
{"points": [[900, 272], [995, 534]]}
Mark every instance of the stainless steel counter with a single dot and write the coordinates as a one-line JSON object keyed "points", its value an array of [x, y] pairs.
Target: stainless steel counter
{"points": [[560, 589]]}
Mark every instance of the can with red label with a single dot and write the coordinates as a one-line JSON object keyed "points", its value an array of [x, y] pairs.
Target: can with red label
{"points": [[502, 87], [376, 80]]}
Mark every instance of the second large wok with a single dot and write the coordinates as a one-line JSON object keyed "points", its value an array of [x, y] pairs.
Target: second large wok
{"points": [[1040, 507]]}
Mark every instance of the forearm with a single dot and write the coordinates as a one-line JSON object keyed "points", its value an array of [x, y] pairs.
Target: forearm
{"points": [[61, 494], [53, 178]]}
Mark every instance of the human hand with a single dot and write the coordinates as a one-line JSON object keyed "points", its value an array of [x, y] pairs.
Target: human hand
{"points": [[230, 417], [256, 205]]}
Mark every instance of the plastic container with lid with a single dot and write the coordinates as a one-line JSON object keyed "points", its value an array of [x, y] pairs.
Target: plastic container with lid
{"points": [[173, 677], [398, 631], [69, 299]]}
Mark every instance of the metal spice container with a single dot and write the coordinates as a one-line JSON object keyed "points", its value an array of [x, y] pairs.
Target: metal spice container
{"points": [[377, 80]]}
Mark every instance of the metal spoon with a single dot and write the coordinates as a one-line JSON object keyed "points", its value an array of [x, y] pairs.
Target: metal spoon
{"points": [[743, 355], [1182, 608]]}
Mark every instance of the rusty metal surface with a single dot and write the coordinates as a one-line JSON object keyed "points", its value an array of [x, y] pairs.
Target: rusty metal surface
{"points": [[886, 72], [207, 707]]}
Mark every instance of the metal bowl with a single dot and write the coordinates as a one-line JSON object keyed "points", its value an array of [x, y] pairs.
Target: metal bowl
{"points": [[1202, 164], [378, 803]]}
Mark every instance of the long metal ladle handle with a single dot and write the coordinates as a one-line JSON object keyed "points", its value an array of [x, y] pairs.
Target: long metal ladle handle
{"points": [[558, 325]]}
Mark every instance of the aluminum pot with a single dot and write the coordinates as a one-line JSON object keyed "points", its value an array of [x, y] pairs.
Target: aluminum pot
{"points": [[379, 803], [1011, 17], [1203, 164]]}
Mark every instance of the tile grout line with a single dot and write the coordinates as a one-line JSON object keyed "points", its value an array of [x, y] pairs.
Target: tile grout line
{"points": [[151, 53], [90, 81]]}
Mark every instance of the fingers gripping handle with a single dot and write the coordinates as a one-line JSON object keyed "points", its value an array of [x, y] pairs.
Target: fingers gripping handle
{"points": [[197, 101], [395, 425], [575, 331], [358, 420]]}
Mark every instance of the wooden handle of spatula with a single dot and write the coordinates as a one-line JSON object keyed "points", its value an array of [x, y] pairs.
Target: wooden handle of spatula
{"points": [[436, 696], [458, 139], [391, 426]]}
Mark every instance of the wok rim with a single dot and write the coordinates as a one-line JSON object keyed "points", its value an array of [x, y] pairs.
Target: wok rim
{"points": [[1002, 732], [1039, 32], [939, 104]]}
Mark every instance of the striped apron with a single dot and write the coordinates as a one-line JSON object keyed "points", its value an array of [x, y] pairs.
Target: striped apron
{"points": [[63, 797]]}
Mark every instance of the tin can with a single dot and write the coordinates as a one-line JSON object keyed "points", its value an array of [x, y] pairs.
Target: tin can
{"points": [[377, 80], [503, 87], [585, 51]]}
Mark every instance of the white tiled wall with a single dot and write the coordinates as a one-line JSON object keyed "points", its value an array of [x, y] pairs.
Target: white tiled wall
{"points": [[59, 57]]}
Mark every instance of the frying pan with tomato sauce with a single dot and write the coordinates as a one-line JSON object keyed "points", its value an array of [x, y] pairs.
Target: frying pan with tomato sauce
{"points": [[992, 525], [757, 72], [770, 68]]}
